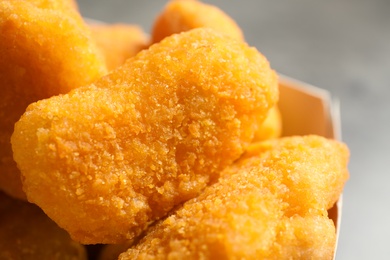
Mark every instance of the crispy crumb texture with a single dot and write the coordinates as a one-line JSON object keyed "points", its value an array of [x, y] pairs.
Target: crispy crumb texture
{"points": [[106, 160], [271, 204], [45, 50]]}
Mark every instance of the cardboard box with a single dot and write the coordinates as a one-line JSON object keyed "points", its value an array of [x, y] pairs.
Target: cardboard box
{"points": [[306, 110]]}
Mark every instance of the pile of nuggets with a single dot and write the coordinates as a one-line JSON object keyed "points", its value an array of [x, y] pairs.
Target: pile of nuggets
{"points": [[160, 147]]}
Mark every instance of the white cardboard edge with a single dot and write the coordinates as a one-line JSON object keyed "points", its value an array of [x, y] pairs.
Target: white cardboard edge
{"points": [[336, 121], [297, 84], [333, 126]]}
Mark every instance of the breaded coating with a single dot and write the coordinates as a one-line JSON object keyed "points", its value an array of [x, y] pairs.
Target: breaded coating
{"points": [[183, 15], [118, 42], [104, 161], [271, 127], [27, 233], [64, 6], [45, 49], [263, 207], [306, 186]]}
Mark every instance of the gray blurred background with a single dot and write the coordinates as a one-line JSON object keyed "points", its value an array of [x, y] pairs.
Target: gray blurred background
{"points": [[339, 45]]}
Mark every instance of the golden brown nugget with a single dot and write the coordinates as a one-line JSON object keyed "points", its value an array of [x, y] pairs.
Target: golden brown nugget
{"points": [[271, 127], [45, 50], [68, 7], [248, 213], [27, 233], [118, 42], [183, 15], [106, 160], [306, 188]]}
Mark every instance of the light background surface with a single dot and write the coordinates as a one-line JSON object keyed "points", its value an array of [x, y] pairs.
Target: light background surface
{"points": [[339, 45]]}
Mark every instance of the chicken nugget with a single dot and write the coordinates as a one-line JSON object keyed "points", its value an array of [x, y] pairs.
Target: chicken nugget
{"points": [[183, 15], [27, 233], [45, 50], [118, 42], [305, 187], [271, 127], [248, 214], [61, 5], [74, 4], [104, 161]]}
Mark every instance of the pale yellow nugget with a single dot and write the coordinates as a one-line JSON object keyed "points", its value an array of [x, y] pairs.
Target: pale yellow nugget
{"points": [[271, 127]]}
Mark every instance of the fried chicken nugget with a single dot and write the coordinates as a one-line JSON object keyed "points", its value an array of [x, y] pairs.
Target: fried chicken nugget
{"points": [[118, 42], [27, 233], [183, 15], [104, 161], [45, 49], [306, 185], [271, 205], [271, 127], [65, 6]]}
